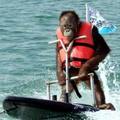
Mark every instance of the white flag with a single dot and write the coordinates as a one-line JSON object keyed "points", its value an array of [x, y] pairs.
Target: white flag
{"points": [[93, 16]]}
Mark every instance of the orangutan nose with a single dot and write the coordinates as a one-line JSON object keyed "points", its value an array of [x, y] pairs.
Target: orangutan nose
{"points": [[67, 26]]}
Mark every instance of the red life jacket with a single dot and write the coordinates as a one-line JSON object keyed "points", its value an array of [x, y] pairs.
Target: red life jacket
{"points": [[82, 49]]}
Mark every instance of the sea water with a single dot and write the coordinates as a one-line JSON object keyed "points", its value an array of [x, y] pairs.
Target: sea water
{"points": [[27, 61]]}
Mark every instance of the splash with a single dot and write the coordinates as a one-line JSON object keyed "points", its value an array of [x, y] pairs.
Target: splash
{"points": [[109, 74]]}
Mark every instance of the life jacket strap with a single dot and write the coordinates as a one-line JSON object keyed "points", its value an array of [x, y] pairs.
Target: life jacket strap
{"points": [[82, 60]]}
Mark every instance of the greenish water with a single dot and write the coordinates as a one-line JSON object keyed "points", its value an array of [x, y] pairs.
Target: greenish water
{"points": [[26, 59]]}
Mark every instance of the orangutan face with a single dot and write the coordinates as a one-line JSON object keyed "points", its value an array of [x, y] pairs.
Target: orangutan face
{"points": [[68, 26]]}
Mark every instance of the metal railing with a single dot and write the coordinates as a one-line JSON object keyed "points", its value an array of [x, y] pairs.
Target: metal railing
{"points": [[49, 83]]}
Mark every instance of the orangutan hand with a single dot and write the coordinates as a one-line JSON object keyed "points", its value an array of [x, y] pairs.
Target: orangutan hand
{"points": [[83, 73]]}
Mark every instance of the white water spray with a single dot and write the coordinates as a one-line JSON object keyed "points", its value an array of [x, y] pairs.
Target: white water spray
{"points": [[108, 75]]}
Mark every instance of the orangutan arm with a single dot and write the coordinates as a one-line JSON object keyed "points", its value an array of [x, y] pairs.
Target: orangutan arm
{"points": [[102, 50], [60, 74]]}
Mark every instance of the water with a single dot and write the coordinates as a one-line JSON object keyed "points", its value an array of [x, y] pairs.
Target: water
{"points": [[26, 59]]}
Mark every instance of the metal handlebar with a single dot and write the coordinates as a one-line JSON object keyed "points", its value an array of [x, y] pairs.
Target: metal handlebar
{"points": [[49, 83]]}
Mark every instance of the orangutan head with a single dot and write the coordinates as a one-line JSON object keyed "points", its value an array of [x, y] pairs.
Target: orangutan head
{"points": [[69, 22]]}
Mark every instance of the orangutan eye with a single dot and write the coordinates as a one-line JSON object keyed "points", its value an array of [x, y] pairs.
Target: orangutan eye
{"points": [[70, 26], [65, 26]]}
